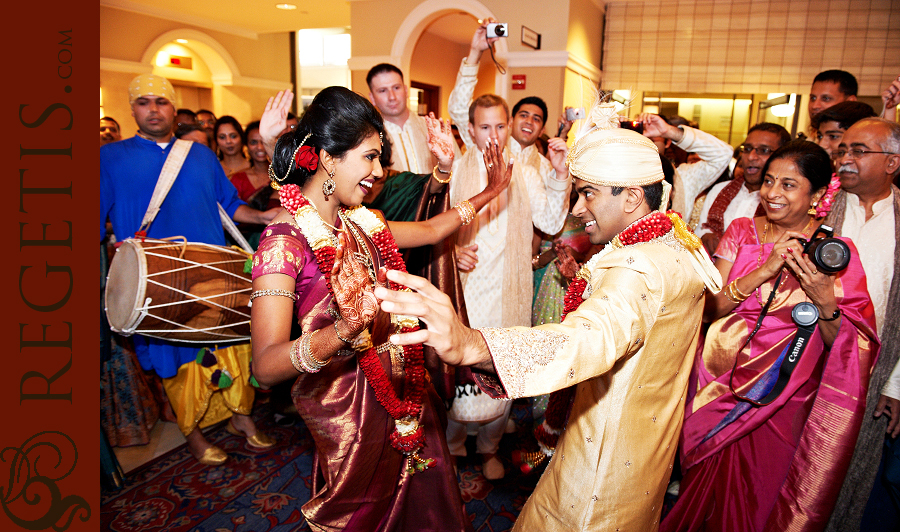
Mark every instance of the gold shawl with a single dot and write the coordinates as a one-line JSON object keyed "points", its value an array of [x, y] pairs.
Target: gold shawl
{"points": [[517, 276]]}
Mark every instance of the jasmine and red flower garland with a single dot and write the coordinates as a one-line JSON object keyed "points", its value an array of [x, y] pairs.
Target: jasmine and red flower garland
{"points": [[653, 225], [407, 436]]}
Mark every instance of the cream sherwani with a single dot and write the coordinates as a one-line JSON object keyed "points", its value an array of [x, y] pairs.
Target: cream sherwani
{"points": [[629, 348]]}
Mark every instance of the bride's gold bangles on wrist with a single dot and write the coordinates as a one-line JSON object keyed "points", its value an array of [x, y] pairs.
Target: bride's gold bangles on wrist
{"points": [[466, 211]]}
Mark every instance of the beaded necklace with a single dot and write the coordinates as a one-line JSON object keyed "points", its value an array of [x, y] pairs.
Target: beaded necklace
{"points": [[407, 436]]}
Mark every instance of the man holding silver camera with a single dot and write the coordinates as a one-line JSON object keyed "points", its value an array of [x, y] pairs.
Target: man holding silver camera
{"points": [[529, 115]]}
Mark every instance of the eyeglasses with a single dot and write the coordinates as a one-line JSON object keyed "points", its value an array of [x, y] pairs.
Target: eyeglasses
{"points": [[762, 150], [207, 122], [856, 153]]}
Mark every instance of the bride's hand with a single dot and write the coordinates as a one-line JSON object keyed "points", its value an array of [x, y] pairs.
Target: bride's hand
{"points": [[440, 141], [353, 290], [499, 174]]}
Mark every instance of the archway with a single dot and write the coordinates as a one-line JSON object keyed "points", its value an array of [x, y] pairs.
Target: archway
{"points": [[424, 14]]}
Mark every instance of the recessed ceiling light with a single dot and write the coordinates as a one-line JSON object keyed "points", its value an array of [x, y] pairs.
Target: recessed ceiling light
{"points": [[181, 41], [286, 7]]}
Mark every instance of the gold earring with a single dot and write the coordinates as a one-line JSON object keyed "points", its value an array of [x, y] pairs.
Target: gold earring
{"points": [[329, 185], [812, 210]]}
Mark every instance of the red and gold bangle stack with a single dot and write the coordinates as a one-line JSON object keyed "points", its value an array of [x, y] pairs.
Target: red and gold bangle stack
{"points": [[734, 294], [466, 211]]}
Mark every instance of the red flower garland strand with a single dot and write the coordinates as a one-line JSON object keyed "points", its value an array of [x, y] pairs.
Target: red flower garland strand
{"points": [[414, 386], [559, 403]]}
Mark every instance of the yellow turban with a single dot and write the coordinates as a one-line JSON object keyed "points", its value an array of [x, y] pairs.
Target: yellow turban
{"points": [[150, 85]]}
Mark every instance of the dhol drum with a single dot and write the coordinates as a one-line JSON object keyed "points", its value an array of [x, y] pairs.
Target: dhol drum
{"points": [[179, 291]]}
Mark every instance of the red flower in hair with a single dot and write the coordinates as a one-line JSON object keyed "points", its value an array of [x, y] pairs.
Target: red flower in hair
{"points": [[306, 158]]}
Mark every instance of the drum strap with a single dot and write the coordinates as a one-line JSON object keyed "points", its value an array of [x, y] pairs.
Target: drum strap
{"points": [[167, 176]]}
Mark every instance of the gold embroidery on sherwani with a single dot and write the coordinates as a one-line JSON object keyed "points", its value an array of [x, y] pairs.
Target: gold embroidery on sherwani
{"points": [[517, 353]]}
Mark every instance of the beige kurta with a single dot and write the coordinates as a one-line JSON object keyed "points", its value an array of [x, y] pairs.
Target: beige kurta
{"points": [[629, 347]]}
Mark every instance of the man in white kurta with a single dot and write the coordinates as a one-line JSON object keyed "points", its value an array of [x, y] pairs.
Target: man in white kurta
{"points": [[407, 131], [628, 344], [498, 291], [868, 212], [528, 118]]}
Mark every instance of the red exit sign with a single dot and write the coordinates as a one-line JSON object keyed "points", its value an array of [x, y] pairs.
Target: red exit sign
{"points": [[518, 82]]}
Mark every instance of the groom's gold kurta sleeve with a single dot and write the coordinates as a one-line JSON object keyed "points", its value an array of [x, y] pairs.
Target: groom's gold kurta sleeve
{"points": [[628, 347]]}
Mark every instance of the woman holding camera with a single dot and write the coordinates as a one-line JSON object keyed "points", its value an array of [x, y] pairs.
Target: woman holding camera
{"points": [[778, 392]]}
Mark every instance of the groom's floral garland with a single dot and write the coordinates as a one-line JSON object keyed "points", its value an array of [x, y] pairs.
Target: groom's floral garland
{"points": [[407, 436], [654, 225]]}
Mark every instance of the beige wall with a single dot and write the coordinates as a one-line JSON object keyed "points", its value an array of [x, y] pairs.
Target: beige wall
{"points": [[572, 27], [125, 37], [435, 62]]}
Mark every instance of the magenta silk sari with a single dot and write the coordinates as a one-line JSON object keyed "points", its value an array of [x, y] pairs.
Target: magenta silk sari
{"points": [[360, 481], [780, 466]]}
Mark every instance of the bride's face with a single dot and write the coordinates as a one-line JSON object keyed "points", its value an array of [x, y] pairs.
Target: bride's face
{"points": [[355, 172]]}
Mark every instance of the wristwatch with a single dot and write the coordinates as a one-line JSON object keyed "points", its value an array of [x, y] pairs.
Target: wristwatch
{"points": [[835, 315]]}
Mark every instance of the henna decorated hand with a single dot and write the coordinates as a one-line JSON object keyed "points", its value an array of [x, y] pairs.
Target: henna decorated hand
{"points": [[566, 263], [440, 141], [499, 174], [353, 290]]}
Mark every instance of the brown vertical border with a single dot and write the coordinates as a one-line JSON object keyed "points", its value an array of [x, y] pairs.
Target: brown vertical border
{"points": [[50, 103]]}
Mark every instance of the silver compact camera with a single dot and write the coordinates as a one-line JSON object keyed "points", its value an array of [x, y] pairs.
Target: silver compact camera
{"points": [[575, 114], [497, 29]]}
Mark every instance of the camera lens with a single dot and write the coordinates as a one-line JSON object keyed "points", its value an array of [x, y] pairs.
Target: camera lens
{"points": [[830, 255], [499, 30]]}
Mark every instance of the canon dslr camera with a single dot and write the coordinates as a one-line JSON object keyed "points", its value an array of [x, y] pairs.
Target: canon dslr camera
{"points": [[829, 254]]}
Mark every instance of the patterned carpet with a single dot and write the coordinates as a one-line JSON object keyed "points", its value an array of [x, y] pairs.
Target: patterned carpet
{"points": [[263, 491]]}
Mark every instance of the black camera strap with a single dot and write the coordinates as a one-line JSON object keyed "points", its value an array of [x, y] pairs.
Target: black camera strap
{"points": [[790, 356]]}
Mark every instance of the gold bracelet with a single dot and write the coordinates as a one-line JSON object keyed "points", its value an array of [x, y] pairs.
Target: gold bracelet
{"points": [[309, 362], [737, 291], [438, 179], [338, 333], [295, 358], [466, 211], [273, 292], [733, 293]]}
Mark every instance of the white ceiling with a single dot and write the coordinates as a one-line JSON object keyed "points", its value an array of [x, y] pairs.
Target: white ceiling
{"points": [[250, 18]]}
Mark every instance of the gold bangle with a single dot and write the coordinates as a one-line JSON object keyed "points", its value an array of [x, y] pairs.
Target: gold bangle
{"points": [[295, 355], [338, 333], [309, 361], [734, 294], [737, 291], [466, 211], [434, 174]]}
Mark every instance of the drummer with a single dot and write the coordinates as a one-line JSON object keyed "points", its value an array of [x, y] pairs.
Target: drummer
{"points": [[203, 390]]}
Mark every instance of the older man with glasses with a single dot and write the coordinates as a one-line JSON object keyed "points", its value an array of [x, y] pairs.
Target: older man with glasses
{"points": [[867, 210], [739, 198]]}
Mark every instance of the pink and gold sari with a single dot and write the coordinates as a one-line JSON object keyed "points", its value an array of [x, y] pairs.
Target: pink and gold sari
{"points": [[779, 466], [360, 482]]}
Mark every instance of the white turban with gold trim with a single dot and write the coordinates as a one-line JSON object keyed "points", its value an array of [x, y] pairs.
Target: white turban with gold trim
{"points": [[606, 155]]}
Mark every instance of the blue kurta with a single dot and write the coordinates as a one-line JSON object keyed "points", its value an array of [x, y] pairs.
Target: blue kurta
{"points": [[129, 170]]}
